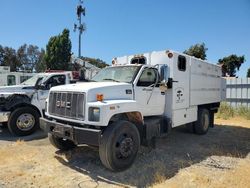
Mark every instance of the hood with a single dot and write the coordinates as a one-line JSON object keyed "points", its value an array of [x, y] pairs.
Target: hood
{"points": [[110, 90], [16, 89]]}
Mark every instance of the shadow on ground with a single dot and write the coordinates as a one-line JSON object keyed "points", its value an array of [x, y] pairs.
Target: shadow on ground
{"points": [[5, 135], [179, 150]]}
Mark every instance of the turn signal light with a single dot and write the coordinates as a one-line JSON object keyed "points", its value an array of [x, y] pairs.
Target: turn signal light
{"points": [[99, 97]]}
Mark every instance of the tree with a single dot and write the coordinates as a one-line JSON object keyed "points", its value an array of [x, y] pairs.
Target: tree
{"points": [[22, 57], [231, 64], [1, 54], [41, 65], [8, 58], [197, 50], [29, 56], [248, 73], [58, 52]]}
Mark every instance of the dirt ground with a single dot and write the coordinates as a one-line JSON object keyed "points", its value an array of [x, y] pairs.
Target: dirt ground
{"points": [[221, 158]]}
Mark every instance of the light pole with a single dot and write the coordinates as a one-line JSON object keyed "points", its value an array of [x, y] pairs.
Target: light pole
{"points": [[80, 10]]}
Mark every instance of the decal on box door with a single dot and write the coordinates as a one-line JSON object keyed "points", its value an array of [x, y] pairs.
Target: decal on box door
{"points": [[179, 95]]}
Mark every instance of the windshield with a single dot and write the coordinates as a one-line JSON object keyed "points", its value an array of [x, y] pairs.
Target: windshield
{"points": [[117, 74], [32, 81]]}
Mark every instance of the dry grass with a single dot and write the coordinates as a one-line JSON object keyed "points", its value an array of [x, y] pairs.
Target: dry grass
{"points": [[200, 176], [19, 142], [182, 160], [226, 111]]}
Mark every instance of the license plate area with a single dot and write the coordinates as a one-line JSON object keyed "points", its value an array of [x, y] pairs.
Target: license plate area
{"points": [[63, 131]]}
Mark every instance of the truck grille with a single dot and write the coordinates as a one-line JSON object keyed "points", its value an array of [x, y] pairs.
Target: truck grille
{"points": [[67, 104]]}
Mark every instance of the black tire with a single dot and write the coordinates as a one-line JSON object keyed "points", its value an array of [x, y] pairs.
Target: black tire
{"points": [[119, 145], [4, 124], [202, 124], [30, 118], [60, 143]]}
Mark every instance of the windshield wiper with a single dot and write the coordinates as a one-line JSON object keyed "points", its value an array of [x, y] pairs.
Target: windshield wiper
{"points": [[110, 79]]}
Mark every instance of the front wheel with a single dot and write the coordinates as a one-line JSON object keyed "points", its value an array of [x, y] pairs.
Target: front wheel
{"points": [[23, 121], [119, 145]]}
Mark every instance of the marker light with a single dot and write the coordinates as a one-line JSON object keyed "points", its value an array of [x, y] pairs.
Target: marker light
{"points": [[170, 54], [114, 61], [99, 97]]}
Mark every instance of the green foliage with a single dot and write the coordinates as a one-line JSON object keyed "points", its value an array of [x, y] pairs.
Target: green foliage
{"points": [[26, 58], [96, 62], [231, 64], [58, 52], [226, 111], [29, 56], [41, 65], [248, 73], [243, 111], [8, 57], [197, 50]]}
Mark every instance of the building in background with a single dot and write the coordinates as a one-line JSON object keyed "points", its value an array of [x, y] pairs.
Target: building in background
{"points": [[8, 78]]}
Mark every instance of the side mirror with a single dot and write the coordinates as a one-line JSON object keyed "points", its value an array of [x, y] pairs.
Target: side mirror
{"points": [[41, 87]]}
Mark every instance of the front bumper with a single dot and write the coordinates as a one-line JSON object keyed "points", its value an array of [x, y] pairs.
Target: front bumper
{"points": [[78, 135], [4, 116]]}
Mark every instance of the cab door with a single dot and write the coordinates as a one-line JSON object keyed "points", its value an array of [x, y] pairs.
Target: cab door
{"points": [[53, 81], [149, 98]]}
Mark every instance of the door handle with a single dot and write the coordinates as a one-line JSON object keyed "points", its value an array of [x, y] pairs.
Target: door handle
{"points": [[146, 89]]}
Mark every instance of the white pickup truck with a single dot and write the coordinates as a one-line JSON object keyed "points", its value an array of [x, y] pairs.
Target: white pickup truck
{"points": [[137, 99], [22, 105]]}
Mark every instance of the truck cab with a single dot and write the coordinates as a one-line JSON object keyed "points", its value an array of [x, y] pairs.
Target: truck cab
{"points": [[137, 99], [22, 105]]}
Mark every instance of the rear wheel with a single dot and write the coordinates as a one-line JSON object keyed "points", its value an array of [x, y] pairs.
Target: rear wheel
{"points": [[60, 143], [23, 121], [201, 126], [119, 145]]}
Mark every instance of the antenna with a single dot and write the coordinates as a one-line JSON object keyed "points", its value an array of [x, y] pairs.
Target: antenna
{"points": [[81, 27]]}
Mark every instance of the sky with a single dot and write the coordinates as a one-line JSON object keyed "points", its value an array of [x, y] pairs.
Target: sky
{"points": [[124, 27]]}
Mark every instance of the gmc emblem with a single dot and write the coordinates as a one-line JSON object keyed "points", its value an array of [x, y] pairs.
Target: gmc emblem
{"points": [[63, 104]]}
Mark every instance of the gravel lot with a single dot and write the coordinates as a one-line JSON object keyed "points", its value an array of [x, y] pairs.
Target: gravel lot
{"points": [[220, 158]]}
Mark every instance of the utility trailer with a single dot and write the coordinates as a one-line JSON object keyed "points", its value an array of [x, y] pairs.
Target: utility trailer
{"points": [[8, 78], [137, 99]]}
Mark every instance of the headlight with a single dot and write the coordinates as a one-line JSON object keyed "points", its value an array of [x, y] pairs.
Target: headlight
{"points": [[94, 114]]}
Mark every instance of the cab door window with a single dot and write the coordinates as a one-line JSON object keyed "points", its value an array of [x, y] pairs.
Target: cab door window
{"points": [[56, 81], [148, 77], [11, 80]]}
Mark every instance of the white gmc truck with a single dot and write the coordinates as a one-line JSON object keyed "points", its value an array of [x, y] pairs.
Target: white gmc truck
{"points": [[22, 105], [137, 99]]}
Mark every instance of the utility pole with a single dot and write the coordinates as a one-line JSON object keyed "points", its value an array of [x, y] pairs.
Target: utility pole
{"points": [[80, 10]]}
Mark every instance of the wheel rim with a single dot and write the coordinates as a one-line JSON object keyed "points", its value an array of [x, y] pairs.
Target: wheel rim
{"points": [[205, 122], [25, 122], [124, 147]]}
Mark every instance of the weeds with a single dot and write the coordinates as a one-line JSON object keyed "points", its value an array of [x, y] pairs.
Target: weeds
{"points": [[226, 111], [244, 112]]}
